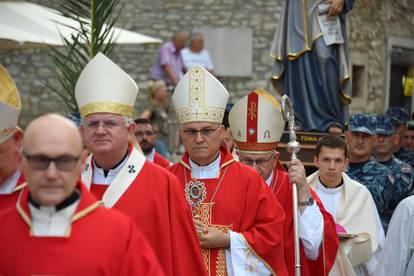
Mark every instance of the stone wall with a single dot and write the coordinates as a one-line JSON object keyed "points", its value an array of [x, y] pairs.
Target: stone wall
{"points": [[369, 25]]}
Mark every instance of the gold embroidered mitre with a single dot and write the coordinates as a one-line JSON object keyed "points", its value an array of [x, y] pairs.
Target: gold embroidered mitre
{"points": [[199, 97], [256, 122], [104, 87], [10, 105]]}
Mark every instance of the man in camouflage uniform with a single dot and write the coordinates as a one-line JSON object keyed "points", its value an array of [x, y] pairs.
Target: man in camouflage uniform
{"points": [[408, 138], [362, 167], [400, 172], [401, 116]]}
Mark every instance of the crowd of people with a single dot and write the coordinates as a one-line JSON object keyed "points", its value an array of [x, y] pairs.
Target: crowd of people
{"points": [[101, 200]]}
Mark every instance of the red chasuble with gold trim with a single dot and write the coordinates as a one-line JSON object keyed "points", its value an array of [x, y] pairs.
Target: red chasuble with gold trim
{"points": [[282, 189], [160, 160], [244, 204], [156, 203], [99, 242], [9, 200]]}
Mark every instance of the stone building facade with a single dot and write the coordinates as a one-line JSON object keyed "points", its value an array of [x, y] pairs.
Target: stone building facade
{"points": [[370, 23]]}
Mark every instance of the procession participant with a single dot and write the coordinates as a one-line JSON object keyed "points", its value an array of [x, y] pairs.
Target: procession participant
{"points": [[256, 138], [401, 173], [146, 137], [237, 218], [55, 219], [397, 255], [11, 179], [351, 205], [363, 167], [118, 174]]}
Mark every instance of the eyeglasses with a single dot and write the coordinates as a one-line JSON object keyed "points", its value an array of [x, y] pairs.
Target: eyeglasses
{"points": [[205, 132], [40, 162], [107, 124], [146, 133], [259, 162]]}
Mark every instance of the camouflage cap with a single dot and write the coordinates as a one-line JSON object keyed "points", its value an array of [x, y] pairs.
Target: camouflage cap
{"points": [[386, 125], [399, 114], [362, 123]]}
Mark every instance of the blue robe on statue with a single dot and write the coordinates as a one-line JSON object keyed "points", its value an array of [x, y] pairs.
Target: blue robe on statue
{"points": [[315, 76]]}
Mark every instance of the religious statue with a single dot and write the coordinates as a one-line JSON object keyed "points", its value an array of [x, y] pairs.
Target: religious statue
{"points": [[311, 62]]}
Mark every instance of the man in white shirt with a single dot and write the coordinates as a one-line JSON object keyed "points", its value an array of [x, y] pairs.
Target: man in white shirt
{"points": [[352, 207], [196, 54], [397, 255]]}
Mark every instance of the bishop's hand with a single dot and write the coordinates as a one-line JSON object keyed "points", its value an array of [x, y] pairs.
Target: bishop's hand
{"points": [[211, 237], [297, 175]]}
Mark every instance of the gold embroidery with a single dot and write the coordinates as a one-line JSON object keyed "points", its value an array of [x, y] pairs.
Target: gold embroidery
{"points": [[205, 210], [9, 93], [260, 147], [252, 113], [197, 110], [110, 107]]}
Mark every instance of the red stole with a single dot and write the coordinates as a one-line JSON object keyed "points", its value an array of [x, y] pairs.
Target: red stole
{"points": [[243, 204], [282, 189], [117, 248], [156, 203], [160, 160]]}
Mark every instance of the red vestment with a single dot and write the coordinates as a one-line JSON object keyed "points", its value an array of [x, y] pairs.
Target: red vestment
{"points": [[244, 204], [160, 160], [9, 200], [156, 203], [99, 242], [282, 189]]}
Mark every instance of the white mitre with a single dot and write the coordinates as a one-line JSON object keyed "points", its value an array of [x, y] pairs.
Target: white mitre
{"points": [[199, 97], [256, 122], [10, 105], [104, 87]]}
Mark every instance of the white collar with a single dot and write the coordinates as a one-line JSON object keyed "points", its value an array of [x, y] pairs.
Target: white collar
{"points": [[10, 184], [47, 222], [150, 156], [99, 176], [269, 179], [329, 190], [211, 170]]}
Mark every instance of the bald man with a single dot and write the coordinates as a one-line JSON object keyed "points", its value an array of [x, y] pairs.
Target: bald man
{"points": [[56, 216]]}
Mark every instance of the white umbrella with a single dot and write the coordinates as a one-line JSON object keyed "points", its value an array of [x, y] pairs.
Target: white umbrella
{"points": [[25, 24]]}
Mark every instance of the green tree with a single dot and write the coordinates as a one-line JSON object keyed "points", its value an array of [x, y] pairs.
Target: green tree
{"points": [[96, 19]]}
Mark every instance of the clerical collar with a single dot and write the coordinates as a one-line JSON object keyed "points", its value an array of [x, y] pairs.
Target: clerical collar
{"points": [[269, 179], [65, 203], [327, 187], [211, 170], [328, 190], [150, 156], [106, 172], [8, 186]]}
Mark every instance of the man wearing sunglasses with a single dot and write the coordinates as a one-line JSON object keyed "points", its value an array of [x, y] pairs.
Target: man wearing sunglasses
{"points": [[54, 223], [11, 179], [257, 124], [146, 137], [238, 220], [118, 174]]}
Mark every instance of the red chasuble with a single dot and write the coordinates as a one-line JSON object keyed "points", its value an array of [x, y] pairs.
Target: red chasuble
{"points": [[154, 200], [160, 160], [244, 204], [9, 200], [282, 189], [99, 242]]}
